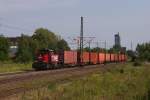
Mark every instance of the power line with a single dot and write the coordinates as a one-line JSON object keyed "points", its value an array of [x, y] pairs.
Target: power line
{"points": [[14, 27]]}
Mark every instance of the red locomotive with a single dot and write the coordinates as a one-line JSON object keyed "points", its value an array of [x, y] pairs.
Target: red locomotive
{"points": [[47, 59]]}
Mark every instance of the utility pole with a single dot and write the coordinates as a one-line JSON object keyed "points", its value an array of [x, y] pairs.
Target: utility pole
{"points": [[81, 42], [89, 45]]}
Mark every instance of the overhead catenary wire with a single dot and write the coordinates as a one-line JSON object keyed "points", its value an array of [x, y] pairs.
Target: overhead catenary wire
{"points": [[14, 27]]}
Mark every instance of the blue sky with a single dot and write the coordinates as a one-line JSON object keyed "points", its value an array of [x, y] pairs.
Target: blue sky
{"points": [[102, 18]]}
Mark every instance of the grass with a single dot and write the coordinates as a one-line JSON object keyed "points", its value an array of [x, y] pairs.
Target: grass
{"points": [[7, 67], [123, 82]]}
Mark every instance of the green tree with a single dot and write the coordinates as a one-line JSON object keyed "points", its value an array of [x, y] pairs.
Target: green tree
{"points": [[62, 45], [45, 39], [143, 51], [96, 49], [87, 49], [112, 50], [116, 48], [132, 55], [4, 48], [25, 50]]}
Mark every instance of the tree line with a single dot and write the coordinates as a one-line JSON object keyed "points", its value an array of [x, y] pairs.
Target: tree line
{"points": [[143, 51], [28, 45], [43, 38], [110, 50]]}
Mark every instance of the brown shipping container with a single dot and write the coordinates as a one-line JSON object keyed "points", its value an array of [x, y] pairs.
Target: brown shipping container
{"points": [[112, 57], [101, 58], [94, 58], [108, 57], [120, 57], [70, 57], [85, 57], [126, 57], [116, 57]]}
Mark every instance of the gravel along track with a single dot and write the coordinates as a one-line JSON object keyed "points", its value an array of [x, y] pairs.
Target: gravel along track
{"points": [[14, 84]]}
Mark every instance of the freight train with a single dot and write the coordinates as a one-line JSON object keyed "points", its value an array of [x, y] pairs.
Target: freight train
{"points": [[47, 59]]}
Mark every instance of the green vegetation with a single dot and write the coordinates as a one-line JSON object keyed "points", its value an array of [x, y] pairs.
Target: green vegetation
{"points": [[97, 49], [143, 51], [62, 45], [123, 82], [4, 48], [25, 49], [28, 45], [141, 54], [43, 38], [7, 67]]}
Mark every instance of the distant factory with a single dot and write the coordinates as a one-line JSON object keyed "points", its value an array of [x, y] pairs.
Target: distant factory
{"points": [[117, 44], [117, 40]]}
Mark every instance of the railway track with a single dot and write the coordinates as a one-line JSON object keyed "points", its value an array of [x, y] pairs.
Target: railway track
{"points": [[15, 73], [10, 85]]}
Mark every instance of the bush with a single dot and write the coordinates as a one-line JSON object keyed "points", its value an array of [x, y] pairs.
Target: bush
{"points": [[143, 51], [137, 63], [24, 54], [4, 48]]}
